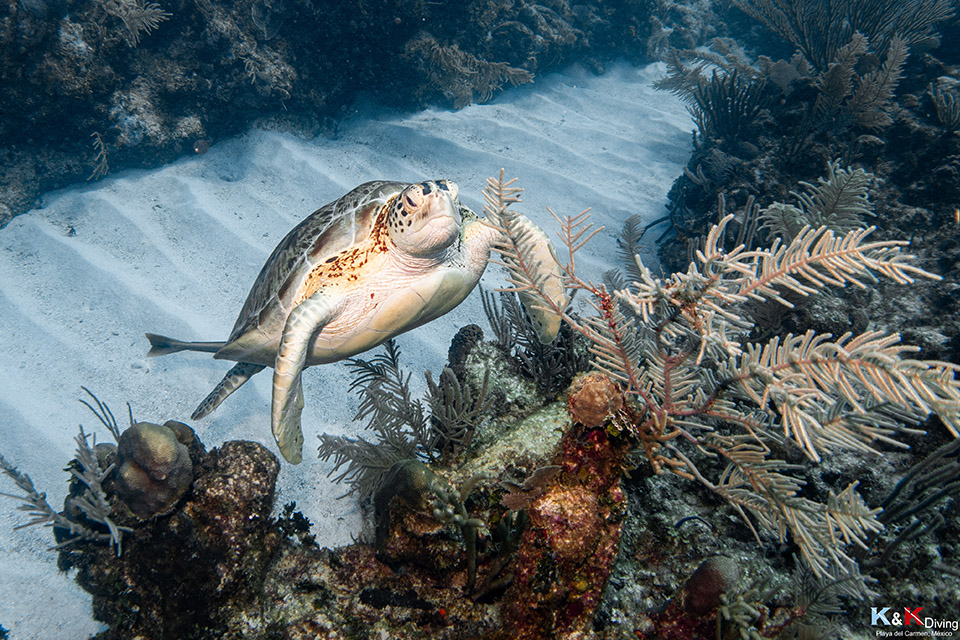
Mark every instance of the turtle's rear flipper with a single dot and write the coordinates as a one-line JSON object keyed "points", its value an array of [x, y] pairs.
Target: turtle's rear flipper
{"points": [[162, 345], [238, 374]]}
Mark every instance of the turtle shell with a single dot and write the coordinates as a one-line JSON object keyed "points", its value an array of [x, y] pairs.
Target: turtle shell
{"points": [[328, 231]]}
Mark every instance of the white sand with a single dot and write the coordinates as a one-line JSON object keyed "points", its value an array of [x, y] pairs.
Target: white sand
{"points": [[175, 250]]}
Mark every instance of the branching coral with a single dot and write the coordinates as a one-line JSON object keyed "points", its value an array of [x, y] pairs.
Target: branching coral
{"points": [[100, 164], [947, 106], [726, 105], [914, 507], [451, 507], [854, 86], [90, 502], [687, 69], [676, 347], [137, 16], [403, 429], [397, 420], [551, 366], [454, 411], [866, 99], [88, 514], [459, 75]]}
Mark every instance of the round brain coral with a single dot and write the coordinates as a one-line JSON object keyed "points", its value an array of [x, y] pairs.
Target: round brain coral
{"points": [[592, 397], [154, 468], [714, 577]]}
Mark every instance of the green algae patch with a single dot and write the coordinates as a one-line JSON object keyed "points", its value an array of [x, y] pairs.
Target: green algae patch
{"points": [[528, 443]]}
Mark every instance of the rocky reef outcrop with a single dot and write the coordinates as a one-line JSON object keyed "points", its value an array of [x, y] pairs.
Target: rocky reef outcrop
{"points": [[92, 86], [449, 559], [186, 572]]}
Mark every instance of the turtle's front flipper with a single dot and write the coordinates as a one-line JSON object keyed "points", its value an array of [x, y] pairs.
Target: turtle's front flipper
{"points": [[289, 434], [532, 261], [303, 323], [238, 374]]}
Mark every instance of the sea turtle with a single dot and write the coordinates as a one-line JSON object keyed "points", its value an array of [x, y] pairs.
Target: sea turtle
{"points": [[383, 259]]}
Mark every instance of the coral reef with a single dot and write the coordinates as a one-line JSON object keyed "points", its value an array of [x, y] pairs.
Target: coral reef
{"points": [[679, 346], [880, 103], [448, 560], [494, 514], [190, 532], [150, 80], [460, 76], [821, 29], [889, 117], [551, 366], [517, 530]]}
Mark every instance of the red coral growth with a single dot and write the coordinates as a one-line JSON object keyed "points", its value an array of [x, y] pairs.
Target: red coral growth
{"points": [[592, 397], [564, 560], [676, 624]]}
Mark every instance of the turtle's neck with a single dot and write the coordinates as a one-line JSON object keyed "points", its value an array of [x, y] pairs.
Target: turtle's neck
{"points": [[410, 264]]}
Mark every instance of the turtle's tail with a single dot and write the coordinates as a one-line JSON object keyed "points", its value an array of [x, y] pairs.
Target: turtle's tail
{"points": [[162, 345]]}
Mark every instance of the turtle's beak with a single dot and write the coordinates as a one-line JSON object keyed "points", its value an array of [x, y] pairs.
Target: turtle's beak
{"points": [[441, 221], [440, 206]]}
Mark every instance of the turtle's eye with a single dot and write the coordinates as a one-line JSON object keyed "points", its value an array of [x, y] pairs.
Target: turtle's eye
{"points": [[450, 187], [413, 199]]}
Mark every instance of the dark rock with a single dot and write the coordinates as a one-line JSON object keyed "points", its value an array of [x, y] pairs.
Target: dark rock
{"points": [[463, 342], [183, 574]]}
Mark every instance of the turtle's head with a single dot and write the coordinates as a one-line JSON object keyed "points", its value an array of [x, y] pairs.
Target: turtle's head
{"points": [[425, 217]]}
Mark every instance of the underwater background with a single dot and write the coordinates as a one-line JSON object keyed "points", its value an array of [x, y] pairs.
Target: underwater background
{"points": [[154, 154]]}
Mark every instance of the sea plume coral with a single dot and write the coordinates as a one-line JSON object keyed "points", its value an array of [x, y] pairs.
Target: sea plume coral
{"points": [[404, 429], [726, 105], [137, 17], [459, 75], [87, 516], [838, 202]]}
